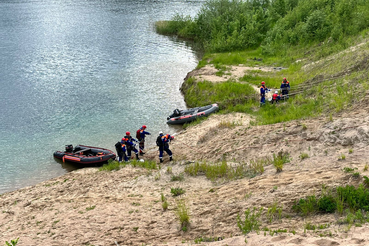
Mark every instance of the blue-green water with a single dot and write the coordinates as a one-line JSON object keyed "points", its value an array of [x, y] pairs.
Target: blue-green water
{"points": [[83, 72]]}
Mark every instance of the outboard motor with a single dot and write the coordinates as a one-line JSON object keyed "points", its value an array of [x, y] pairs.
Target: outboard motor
{"points": [[69, 148]]}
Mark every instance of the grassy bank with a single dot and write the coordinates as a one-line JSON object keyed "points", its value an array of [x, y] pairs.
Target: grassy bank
{"points": [[319, 86], [309, 40]]}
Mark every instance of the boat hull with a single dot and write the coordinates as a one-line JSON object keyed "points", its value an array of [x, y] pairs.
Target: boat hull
{"points": [[85, 156], [192, 114]]}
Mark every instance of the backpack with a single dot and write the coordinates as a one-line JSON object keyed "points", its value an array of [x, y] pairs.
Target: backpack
{"points": [[159, 142], [118, 147], [138, 134]]}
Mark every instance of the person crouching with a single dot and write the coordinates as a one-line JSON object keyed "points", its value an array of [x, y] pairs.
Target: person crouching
{"points": [[276, 97]]}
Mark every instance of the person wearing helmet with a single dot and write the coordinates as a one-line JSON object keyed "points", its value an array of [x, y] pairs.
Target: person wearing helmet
{"points": [[140, 135], [163, 143], [130, 146], [120, 147], [285, 87], [276, 97], [263, 90]]}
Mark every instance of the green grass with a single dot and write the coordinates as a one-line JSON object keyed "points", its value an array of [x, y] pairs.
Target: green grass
{"points": [[274, 212], [222, 170], [251, 220], [279, 161], [165, 205], [179, 177], [177, 191], [115, 165], [344, 197], [12, 242], [183, 214], [225, 94]]}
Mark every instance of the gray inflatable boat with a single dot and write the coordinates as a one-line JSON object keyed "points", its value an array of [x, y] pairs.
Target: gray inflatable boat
{"points": [[188, 115]]}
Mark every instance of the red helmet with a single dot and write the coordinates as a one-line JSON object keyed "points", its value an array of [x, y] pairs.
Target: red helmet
{"points": [[263, 83], [128, 133], [284, 79], [144, 127]]}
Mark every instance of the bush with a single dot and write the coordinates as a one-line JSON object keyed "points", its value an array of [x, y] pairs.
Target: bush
{"points": [[280, 160], [327, 204], [306, 206], [12, 242], [177, 191], [251, 221], [183, 214]]}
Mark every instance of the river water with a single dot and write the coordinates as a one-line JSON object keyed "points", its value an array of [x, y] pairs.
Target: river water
{"points": [[83, 72]]}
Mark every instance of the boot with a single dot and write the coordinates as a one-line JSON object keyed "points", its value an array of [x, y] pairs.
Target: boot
{"points": [[137, 156], [170, 158], [161, 160]]}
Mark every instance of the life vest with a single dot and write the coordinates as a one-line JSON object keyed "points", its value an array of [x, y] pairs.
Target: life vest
{"points": [[275, 96], [262, 90]]}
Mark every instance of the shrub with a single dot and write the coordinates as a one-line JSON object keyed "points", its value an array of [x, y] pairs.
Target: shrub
{"points": [[354, 198], [280, 160], [183, 214], [177, 191], [327, 204], [258, 165], [179, 177], [165, 205], [306, 206], [356, 175], [251, 221], [348, 169], [12, 242], [304, 156], [366, 181], [274, 211]]}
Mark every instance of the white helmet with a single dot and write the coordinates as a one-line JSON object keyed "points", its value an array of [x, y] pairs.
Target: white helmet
{"points": [[160, 133], [276, 92]]}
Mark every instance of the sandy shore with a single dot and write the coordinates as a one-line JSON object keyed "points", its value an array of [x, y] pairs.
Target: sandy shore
{"points": [[124, 207]]}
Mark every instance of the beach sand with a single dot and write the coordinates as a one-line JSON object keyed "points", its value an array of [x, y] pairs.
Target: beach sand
{"points": [[124, 207]]}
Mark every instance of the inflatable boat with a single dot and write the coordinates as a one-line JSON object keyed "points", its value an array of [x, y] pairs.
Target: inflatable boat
{"points": [[84, 155], [188, 115]]}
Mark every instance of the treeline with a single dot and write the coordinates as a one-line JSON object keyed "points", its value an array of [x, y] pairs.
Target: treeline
{"points": [[229, 25]]}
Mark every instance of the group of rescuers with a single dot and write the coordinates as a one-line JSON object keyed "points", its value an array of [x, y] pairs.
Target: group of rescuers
{"points": [[285, 88], [125, 146]]}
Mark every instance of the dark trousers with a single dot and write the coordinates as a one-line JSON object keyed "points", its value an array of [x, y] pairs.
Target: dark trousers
{"points": [[166, 149], [129, 151]]}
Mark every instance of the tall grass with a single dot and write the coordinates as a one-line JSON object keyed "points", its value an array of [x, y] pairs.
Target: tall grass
{"points": [[222, 170], [345, 197], [205, 92], [251, 221], [183, 214]]}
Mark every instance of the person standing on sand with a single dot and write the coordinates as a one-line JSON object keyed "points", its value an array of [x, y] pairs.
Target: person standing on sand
{"points": [[120, 147], [162, 142], [140, 135], [130, 145], [263, 90]]}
